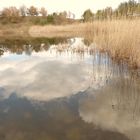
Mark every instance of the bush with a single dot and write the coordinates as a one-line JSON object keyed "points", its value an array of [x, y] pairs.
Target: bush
{"points": [[50, 19]]}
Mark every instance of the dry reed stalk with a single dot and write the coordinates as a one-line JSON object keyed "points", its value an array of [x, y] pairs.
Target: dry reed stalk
{"points": [[120, 37]]}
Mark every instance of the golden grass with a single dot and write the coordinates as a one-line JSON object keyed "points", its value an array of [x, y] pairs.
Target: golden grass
{"points": [[14, 30], [119, 37], [71, 30]]}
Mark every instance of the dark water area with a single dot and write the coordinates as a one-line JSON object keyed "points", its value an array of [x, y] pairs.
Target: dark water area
{"points": [[65, 89]]}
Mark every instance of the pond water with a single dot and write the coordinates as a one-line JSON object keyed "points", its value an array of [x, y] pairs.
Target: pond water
{"points": [[65, 89]]}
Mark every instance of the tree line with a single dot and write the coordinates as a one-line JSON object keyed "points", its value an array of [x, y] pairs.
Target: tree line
{"points": [[126, 10], [36, 15], [23, 11]]}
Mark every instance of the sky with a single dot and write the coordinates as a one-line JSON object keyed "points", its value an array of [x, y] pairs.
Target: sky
{"points": [[75, 6]]}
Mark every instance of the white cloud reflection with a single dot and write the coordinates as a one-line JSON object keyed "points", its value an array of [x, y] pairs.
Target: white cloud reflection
{"points": [[42, 80], [114, 108], [47, 74]]}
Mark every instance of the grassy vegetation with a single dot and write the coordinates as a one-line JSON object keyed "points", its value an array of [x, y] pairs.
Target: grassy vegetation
{"points": [[121, 38], [14, 30], [69, 30], [11, 27]]}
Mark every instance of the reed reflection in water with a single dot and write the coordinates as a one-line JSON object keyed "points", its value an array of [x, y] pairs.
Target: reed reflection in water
{"points": [[66, 90], [115, 106]]}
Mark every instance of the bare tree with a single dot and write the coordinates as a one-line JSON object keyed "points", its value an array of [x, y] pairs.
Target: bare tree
{"points": [[63, 14], [108, 12], [10, 12], [32, 11], [43, 12], [23, 10]]}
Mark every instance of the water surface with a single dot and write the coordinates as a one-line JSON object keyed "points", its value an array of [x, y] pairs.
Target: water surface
{"points": [[65, 89]]}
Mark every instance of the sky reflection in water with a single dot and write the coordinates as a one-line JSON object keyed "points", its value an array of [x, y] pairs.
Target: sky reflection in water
{"points": [[67, 91]]}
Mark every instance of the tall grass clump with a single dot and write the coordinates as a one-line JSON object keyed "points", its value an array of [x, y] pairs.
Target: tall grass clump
{"points": [[121, 38]]}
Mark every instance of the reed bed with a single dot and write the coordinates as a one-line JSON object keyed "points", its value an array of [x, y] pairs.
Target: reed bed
{"points": [[121, 38]]}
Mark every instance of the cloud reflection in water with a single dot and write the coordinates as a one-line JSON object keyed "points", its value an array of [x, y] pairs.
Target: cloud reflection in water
{"points": [[61, 72], [44, 80], [115, 107]]}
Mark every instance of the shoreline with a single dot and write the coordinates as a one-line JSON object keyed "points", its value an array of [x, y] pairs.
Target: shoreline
{"points": [[121, 38]]}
